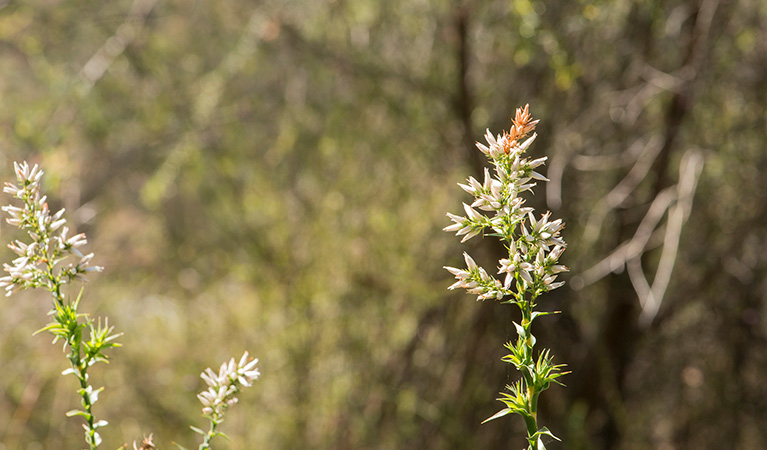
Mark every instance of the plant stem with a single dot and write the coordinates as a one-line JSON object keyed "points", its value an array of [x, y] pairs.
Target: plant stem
{"points": [[74, 341], [209, 436], [531, 420]]}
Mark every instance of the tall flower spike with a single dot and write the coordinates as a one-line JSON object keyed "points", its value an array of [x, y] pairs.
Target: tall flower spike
{"points": [[531, 267], [41, 263]]}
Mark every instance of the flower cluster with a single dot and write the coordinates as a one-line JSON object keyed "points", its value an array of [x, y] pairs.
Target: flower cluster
{"points": [[224, 385], [221, 393], [36, 261], [531, 268], [534, 245]]}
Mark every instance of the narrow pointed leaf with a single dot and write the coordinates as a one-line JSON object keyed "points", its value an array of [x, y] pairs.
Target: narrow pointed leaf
{"points": [[500, 413], [77, 412], [542, 313]]}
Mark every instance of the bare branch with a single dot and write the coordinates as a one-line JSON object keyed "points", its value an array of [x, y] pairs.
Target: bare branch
{"points": [[622, 190], [98, 64], [632, 248], [689, 173]]}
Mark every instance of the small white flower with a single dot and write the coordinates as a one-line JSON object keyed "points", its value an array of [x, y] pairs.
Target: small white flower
{"points": [[524, 146], [77, 240], [56, 224], [470, 263], [460, 275], [19, 248], [473, 187], [11, 189], [460, 223]]}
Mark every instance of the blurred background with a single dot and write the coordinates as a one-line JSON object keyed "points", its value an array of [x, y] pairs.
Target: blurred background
{"points": [[273, 176]]}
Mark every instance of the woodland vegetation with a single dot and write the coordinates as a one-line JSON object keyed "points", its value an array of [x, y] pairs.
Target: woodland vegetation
{"points": [[273, 176]]}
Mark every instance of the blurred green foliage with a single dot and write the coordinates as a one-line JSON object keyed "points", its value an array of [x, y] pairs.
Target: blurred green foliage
{"points": [[273, 177]]}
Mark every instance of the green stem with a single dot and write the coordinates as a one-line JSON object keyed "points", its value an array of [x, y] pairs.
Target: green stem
{"points": [[81, 368], [88, 409], [75, 356], [531, 421], [531, 418], [209, 436]]}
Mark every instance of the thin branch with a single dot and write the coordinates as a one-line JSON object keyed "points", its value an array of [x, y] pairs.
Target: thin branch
{"points": [[689, 173], [622, 190], [638, 172], [98, 64], [632, 248]]}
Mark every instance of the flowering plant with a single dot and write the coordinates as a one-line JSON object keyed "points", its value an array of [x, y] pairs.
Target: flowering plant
{"points": [[534, 247], [222, 388], [41, 264]]}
